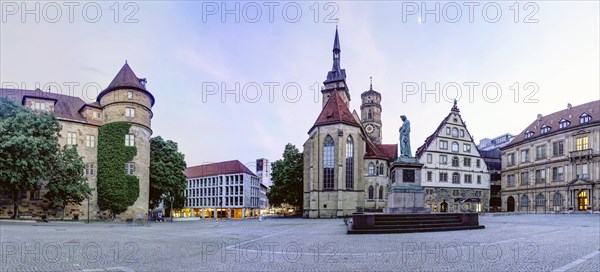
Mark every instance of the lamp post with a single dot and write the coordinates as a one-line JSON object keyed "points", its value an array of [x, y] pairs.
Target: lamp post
{"points": [[171, 198], [88, 210]]}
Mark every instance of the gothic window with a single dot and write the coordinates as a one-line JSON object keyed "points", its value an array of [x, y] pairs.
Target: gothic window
{"points": [[380, 192], [557, 200], [381, 169], [370, 115], [328, 164], [585, 118], [371, 192], [540, 200], [524, 201], [349, 163], [371, 169]]}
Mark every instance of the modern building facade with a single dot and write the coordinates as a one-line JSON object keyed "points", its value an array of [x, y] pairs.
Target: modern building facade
{"points": [[455, 176], [553, 165], [221, 190], [496, 143], [263, 170], [346, 168], [126, 99]]}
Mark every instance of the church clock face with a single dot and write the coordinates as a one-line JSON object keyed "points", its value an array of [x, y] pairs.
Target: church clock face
{"points": [[369, 128]]}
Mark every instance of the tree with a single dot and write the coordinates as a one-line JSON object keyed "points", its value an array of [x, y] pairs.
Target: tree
{"points": [[287, 178], [28, 143], [66, 184], [166, 173]]}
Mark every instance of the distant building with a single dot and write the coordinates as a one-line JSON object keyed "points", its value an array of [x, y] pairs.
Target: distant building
{"points": [[454, 176], [554, 163], [262, 197], [492, 159], [263, 170], [486, 144], [224, 190]]}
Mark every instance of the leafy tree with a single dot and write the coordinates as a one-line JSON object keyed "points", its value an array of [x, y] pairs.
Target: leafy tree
{"points": [[66, 184], [28, 143], [166, 173], [287, 178]]}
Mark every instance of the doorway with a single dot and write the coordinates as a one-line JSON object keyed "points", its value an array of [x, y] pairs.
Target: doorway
{"points": [[510, 204], [582, 200], [444, 207]]}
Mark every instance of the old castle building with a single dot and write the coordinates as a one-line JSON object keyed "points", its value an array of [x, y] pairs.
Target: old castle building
{"points": [[346, 167], [554, 163], [124, 100], [455, 176]]}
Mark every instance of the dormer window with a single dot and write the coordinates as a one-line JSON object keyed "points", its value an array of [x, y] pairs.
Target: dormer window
{"points": [[40, 105], [528, 134], [95, 115], [563, 123], [545, 129], [585, 118]]}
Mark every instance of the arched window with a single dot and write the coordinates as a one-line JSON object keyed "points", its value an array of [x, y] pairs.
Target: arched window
{"points": [[584, 118], [524, 201], [455, 132], [371, 169], [328, 164], [380, 192], [381, 169], [371, 192], [455, 147], [540, 200], [349, 163], [370, 115], [455, 177], [455, 161], [557, 200]]}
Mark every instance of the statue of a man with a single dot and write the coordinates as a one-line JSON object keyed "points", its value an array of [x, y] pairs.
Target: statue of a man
{"points": [[405, 137]]}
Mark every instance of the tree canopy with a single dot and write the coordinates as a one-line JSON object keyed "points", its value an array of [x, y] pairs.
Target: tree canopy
{"points": [[287, 175], [166, 173]]}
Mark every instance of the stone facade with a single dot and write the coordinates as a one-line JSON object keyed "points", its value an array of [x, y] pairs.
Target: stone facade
{"points": [[125, 100], [553, 165]]}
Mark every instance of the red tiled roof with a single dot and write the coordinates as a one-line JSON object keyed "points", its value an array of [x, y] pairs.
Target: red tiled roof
{"points": [[335, 111], [65, 106], [552, 120], [125, 78], [382, 151], [219, 168], [390, 150]]}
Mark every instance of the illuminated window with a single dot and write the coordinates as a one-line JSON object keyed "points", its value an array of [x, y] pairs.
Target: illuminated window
{"points": [[581, 143]]}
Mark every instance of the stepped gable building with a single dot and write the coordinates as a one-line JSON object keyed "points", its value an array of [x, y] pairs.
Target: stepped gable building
{"points": [[455, 176], [554, 163], [221, 190], [346, 167], [126, 99]]}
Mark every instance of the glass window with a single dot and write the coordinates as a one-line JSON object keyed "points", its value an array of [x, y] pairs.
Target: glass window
{"points": [[129, 95], [443, 159], [462, 133], [540, 176], [443, 177], [478, 179], [540, 152], [563, 123], [455, 161], [581, 143], [129, 168], [90, 141], [130, 140], [40, 105], [545, 129], [524, 178], [371, 169], [524, 201], [525, 155], [455, 132], [478, 163], [429, 176], [447, 131], [71, 138], [349, 163], [540, 200], [510, 159], [443, 145], [371, 192], [585, 118], [370, 115], [455, 178], [510, 180], [529, 134], [328, 163], [89, 169], [454, 147], [467, 147], [468, 178], [557, 173], [129, 112], [558, 148], [467, 162], [429, 158], [380, 192], [557, 200]]}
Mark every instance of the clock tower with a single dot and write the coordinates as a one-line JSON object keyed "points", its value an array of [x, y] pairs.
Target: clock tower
{"points": [[371, 114]]}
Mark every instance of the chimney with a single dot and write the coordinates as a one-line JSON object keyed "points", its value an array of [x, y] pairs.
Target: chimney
{"points": [[569, 106]]}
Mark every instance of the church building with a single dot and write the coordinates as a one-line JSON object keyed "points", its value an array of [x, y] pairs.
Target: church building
{"points": [[346, 166]]}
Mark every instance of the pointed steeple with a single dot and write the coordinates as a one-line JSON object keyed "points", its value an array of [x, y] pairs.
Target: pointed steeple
{"points": [[336, 42], [126, 78], [336, 52]]}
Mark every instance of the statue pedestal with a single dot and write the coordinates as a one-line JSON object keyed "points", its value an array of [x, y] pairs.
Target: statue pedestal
{"points": [[406, 194]]}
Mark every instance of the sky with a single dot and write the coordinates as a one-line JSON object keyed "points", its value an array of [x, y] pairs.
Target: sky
{"points": [[240, 80]]}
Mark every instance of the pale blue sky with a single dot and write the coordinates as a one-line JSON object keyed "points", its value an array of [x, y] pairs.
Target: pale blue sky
{"points": [[182, 54]]}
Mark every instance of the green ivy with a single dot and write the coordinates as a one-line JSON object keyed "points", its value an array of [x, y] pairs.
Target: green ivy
{"points": [[116, 190]]}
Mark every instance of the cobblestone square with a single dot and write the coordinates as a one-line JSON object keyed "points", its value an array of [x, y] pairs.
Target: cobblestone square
{"points": [[533, 242]]}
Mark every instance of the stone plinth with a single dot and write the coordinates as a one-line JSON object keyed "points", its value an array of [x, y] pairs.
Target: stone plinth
{"points": [[406, 195]]}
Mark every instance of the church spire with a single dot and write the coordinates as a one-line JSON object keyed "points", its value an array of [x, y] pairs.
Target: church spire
{"points": [[336, 51]]}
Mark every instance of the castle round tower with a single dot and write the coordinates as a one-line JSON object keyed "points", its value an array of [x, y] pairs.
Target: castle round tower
{"points": [[370, 109], [127, 100]]}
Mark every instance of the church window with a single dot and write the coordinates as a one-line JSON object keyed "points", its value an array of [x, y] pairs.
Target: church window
{"points": [[380, 192], [328, 164], [371, 169], [381, 169], [371, 192], [349, 163]]}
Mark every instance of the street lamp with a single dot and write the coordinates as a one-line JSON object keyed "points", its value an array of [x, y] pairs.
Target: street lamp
{"points": [[171, 211], [88, 211]]}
